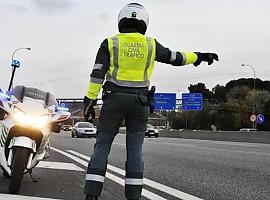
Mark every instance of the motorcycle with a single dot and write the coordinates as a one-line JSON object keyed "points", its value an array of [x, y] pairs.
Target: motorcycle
{"points": [[28, 115]]}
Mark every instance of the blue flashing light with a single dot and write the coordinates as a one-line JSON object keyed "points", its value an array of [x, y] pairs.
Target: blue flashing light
{"points": [[61, 108], [4, 96], [9, 93], [15, 63]]}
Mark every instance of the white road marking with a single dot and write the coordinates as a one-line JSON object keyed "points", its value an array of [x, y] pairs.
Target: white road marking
{"points": [[119, 144], [235, 151], [59, 165], [78, 160], [169, 143], [224, 142], [204, 141], [164, 143], [118, 180], [145, 193], [214, 148], [153, 184], [237, 144], [19, 197]]}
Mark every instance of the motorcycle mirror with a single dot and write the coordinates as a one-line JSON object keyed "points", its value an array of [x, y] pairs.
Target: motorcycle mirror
{"points": [[60, 117]]}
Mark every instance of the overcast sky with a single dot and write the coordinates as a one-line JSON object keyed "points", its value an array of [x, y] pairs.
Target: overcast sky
{"points": [[65, 35]]}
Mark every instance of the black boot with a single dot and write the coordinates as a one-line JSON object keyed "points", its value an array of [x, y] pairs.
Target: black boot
{"points": [[88, 197]]}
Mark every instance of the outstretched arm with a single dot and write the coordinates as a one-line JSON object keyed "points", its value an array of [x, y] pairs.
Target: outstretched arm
{"points": [[97, 77], [177, 58], [99, 71]]}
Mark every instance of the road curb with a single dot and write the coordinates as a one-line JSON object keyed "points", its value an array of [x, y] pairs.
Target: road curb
{"points": [[233, 136], [19, 197]]}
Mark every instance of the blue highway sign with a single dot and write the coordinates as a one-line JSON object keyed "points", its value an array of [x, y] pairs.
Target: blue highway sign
{"points": [[192, 101], [260, 118], [165, 101]]}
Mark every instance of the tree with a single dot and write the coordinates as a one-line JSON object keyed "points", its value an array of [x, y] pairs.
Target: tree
{"points": [[261, 97], [229, 107], [201, 88], [238, 100], [178, 121], [260, 85], [219, 93]]}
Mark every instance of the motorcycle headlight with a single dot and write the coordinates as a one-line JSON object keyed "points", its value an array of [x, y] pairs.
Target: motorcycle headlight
{"points": [[156, 131], [34, 121]]}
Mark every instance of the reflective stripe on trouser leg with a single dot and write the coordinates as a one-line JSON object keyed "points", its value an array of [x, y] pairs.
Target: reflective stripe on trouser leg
{"points": [[94, 181], [109, 121], [134, 164], [133, 185], [98, 164], [136, 122]]}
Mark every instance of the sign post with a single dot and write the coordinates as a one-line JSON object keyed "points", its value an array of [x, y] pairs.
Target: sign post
{"points": [[165, 101], [191, 101]]}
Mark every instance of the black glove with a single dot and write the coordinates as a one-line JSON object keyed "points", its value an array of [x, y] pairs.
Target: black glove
{"points": [[206, 57], [89, 111], [151, 99]]}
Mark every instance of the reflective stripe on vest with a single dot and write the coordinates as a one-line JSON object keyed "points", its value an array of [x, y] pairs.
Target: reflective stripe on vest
{"points": [[131, 59], [148, 62], [115, 56]]}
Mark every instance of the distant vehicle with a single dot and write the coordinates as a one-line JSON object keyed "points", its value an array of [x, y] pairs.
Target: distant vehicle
{"points": [[182, 129], [247, 130], [151, 131], [66, 127], [83, 129]]}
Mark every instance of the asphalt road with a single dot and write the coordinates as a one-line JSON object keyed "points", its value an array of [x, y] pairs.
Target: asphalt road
{"points": [[174, 169]]}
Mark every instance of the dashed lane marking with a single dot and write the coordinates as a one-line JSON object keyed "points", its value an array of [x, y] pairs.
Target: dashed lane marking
{"points": [[114, 178], [153, 184], [20, 197], [47, 165], [59, 165]]}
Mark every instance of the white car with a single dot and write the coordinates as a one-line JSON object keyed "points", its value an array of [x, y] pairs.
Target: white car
{"points": [[83, 129], [151, 131]]}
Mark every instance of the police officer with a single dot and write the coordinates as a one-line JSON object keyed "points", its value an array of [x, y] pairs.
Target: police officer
{"points": [[126, 60]]}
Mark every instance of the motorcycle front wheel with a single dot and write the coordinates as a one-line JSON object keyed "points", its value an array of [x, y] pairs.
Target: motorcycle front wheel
{"points": [[19, 163]]}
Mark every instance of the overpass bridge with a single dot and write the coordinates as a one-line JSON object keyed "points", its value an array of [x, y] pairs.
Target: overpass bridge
{"points": [[75, 106], [158, 118]]}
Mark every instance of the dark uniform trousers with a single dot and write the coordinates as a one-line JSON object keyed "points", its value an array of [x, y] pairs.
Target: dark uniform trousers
{"points": [[116, 107]]}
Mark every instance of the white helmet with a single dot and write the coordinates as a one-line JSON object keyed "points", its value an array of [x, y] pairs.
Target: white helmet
{"points": [[134, 11]]}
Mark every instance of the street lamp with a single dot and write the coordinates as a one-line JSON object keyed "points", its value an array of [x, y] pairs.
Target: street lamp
{"points": [[14, 66], [254, 78]]}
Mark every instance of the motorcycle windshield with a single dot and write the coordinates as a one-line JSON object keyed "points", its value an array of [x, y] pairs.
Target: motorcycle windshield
{"points": [[34, 91], [21, 92]]}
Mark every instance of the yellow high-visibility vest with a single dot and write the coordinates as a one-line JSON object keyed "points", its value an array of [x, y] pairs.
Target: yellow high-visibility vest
{"points": [[132, 57]]}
